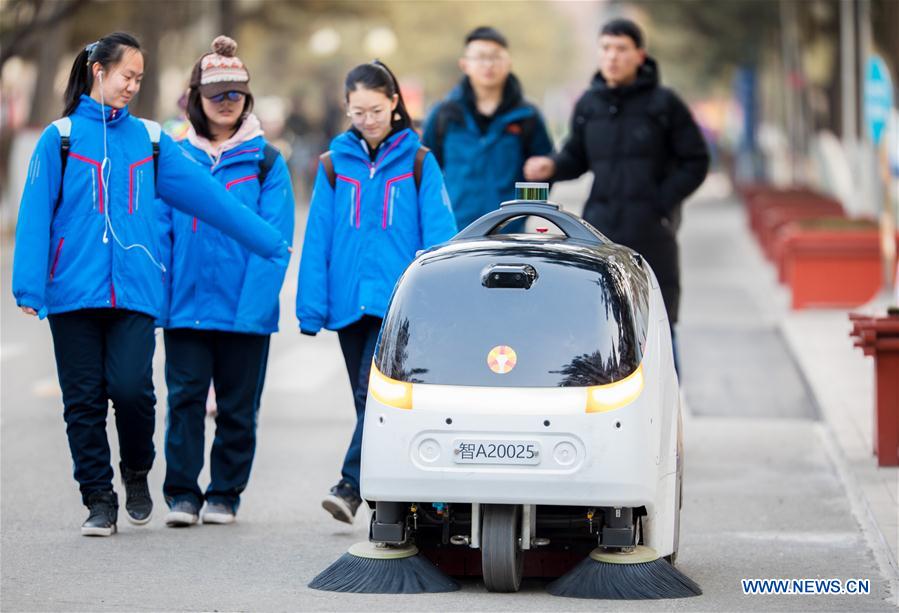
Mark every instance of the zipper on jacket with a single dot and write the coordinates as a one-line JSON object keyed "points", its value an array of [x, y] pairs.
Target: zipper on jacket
{"points": [[389, 196], [373, 166], [112, 293], [132, 171], [56, 257], [195, 225]]}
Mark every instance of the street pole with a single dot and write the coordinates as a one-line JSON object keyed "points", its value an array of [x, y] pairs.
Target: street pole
{"points": [[849, 64]]}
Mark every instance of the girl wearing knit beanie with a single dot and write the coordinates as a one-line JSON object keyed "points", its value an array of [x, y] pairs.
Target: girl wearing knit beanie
{"points": [[224, 300]]}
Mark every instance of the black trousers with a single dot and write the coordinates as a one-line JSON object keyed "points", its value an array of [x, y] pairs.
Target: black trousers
{"points": [[103, 355], [237, 364], [357, 341]]}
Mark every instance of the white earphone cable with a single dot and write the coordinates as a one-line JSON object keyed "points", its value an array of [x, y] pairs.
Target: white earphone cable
{"points": [[106, 173]]}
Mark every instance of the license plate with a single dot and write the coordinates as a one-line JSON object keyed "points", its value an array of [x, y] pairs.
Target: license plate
{"points": [[496, 452]]}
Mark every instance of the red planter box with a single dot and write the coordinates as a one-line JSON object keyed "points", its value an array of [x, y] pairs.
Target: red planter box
{"points": [[831, 268], [789, 233], [774, 218], [879, 337], [798, 198]]}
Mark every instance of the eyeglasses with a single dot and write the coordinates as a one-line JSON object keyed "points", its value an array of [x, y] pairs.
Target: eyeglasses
{"points": [[486, 60], [232, 96], [358, 115]]}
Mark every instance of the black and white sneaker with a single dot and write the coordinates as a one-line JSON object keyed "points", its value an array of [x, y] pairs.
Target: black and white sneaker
{"points": [[104, 511], [342, 502], [218, 513], [138, 503], [181, 514]]}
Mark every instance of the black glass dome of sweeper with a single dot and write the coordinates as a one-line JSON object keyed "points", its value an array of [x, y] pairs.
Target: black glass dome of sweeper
{"points": [[573, 307]]}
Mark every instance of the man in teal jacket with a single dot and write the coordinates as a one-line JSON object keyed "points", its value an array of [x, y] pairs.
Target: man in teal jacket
{"points": [[485, 129]]}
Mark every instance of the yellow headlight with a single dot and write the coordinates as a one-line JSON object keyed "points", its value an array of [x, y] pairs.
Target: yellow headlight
{"points": [[389, 391], [601, 398]]}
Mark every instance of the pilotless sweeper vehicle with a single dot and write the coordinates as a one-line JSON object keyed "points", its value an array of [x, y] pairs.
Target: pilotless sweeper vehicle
{"points": [[523, 410]]}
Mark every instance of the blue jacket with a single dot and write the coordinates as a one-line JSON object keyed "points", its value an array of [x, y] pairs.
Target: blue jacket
{"points": [[100, 245], [363, 233], [215, 283], [481, 168]]}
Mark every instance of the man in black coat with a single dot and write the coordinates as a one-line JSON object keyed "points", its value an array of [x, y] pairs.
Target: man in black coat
{"points": [[644, 148]]}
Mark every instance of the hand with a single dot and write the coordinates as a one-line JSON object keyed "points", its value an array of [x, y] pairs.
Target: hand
{"points": [[28, 311], [539, 168]]}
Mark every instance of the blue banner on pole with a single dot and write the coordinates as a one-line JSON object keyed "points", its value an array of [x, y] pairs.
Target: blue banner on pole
{"points": [[878, 94]]}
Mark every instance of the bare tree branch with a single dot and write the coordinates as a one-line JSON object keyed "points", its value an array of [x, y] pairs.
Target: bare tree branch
{"points": [[14, 40]]}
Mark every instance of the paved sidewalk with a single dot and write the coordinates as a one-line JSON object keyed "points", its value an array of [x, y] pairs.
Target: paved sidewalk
{"points": [[839, 377]]}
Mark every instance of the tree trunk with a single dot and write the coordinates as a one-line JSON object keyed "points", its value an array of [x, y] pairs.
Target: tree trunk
{"points": [[227, 18], [45, 104], [152, 21]]}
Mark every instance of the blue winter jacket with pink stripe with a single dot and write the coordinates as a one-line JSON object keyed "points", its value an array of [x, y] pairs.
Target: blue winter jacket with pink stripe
{"points": [[216, 284], [100, 243], [363, 233]]}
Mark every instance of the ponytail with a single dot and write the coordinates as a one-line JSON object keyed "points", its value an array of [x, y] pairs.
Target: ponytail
{"points": [[108, 50], [376, 76]]}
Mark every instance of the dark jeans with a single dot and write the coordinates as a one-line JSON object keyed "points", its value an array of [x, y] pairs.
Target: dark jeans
{"points": [[103, 355], [236, 362], [357, 341]]}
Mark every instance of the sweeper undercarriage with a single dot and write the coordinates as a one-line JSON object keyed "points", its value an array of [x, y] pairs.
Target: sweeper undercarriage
{"points": [[493, 540]]}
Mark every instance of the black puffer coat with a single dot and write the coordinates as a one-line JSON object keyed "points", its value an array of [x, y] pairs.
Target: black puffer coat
{"points": [[647, 155]]}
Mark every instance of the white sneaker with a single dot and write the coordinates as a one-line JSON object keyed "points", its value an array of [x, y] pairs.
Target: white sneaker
{"points": [[217, 513], [182, 514]]}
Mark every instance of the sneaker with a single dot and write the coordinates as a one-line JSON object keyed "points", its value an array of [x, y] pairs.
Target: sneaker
{"points": [[138, 502], [104, 511], [182, 513], [342, 502], [218, 513]]}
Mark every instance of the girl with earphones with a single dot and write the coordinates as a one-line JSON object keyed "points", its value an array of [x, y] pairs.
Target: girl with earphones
{"points": [[89, 256], [224, 300], [379, 197]]}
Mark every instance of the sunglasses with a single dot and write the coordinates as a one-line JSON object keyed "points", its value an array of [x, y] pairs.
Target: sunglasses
{"points": [[232, 96]]}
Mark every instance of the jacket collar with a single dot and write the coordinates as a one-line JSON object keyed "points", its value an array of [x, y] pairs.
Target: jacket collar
{"points": [[88, 108], [512, 95], [647, 78], [393, 147], [510, 110], [248, 149], [249, 129]]}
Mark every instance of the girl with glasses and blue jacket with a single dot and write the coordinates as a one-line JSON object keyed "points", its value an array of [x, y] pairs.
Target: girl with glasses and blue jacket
{"points": [[379, 197], [90, 257]]}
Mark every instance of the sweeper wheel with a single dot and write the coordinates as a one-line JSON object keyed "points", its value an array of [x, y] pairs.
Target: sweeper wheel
{"points": [[501, 556]]}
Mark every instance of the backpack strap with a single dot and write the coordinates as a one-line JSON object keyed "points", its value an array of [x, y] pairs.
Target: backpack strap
{"points": [[528, 128], [418, 168], [447, 112], [154, 131], [269, 154], [64, 127], [328, 165]]}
